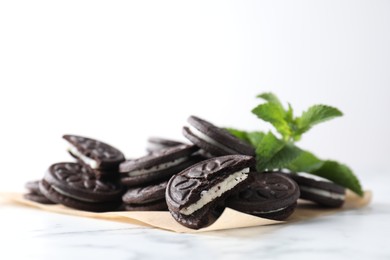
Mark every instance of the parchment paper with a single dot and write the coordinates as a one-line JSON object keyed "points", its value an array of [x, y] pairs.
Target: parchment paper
{"points": [[228, 220]]}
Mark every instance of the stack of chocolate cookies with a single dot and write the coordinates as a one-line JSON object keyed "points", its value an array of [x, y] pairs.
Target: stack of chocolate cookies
{"points": [[146, 177], [90, 183], [195, 182]]}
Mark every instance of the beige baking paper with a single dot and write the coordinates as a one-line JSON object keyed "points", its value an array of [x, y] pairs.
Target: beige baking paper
{"points": [[229, 219]]}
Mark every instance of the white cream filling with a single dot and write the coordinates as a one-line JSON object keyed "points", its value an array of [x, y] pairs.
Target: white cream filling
{"points": [[207, 139], [216, 191], [323, 193], [267, 212], [70, 195], [159, 167], [313, 177], [88, 161]]}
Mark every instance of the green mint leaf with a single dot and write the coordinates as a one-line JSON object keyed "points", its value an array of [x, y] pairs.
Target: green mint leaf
{"points": [[271, 98], [274, 114], [282, 158], [331, 170], [255, 138], [306, 162], [292, 122], [272, 153], [314, 115], [266, 149], [240, 134], [340, 174], [290, 114], [252, 138]]}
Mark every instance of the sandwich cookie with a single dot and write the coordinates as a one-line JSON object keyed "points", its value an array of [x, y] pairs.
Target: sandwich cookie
{"points": [[160, 165], [34, 194], [156, 144], [214, 140], [148, 198], [325, 193], [268, 195], [77, 187], [195, 195], [98, 156]]}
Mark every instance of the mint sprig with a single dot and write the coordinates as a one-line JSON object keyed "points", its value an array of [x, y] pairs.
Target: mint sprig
{"points": [[290, 127], [278, 153]]}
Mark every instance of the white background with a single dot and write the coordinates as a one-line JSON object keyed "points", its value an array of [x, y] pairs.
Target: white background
{"points": [[122, 71]]}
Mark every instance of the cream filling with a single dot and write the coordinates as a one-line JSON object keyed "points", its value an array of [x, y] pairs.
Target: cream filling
{"points": [[70, 195], [216, 191], [159, 167], [207, 139], [88, 161], [267, 212], [323, 193]]}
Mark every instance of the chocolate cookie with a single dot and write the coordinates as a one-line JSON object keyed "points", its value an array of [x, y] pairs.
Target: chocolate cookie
{"points": [[194, 194], [325, 193], [76, 186], [151, 197], [156, 144], [160, 165], [94, 154], [34, 194], [268, 195], [214, 140], [142, 195]]}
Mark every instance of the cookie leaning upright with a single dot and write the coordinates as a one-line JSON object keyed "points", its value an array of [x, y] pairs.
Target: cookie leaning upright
{"points": [[97, 155], [214, 140], [194, 194]]}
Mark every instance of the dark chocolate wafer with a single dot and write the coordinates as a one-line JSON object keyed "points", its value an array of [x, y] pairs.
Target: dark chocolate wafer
{"points": [[94, 154], [268, 195]]}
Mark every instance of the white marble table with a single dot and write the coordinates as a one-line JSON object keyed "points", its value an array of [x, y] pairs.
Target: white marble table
{"points": [[361, 234]]}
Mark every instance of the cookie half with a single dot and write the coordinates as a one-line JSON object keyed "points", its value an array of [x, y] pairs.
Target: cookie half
{"points": [[268, 195], [76, 186], [214, 140], [195, 194], [94, 154], [325, 193]]}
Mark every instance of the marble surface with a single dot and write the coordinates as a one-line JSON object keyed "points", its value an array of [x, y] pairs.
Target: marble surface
{"points": [[359, 234]]}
